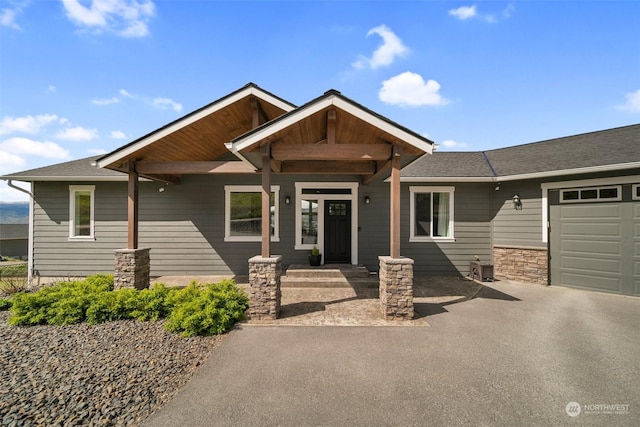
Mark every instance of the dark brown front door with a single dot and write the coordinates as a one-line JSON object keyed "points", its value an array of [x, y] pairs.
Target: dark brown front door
{"points": [[337, 231]]}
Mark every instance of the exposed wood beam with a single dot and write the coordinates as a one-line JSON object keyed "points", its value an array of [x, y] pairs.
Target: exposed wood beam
{"points": [[328, 167], [331, 126], [162, 178], [276, 166], [265, 151], [255, 110], [192, 168], [395, 202], [132, 207], [328, 151], [382, 168]]}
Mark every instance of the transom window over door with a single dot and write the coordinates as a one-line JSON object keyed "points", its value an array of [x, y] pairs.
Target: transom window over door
{"points": [[431, 211], [243, 213]]}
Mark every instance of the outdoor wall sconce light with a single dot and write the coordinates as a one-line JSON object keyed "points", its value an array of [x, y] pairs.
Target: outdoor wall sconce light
{"points": [[287, 200], [367, 200], [517, 203]]}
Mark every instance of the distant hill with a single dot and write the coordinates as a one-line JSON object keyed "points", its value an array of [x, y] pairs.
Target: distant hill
{"points": [[14, 213]]}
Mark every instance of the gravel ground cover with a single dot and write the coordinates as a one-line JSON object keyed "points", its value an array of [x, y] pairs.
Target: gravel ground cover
{"points": [[110, 374]]}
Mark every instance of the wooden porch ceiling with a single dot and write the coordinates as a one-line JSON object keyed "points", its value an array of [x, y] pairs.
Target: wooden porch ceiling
{"points": [[199, 147], [331, 141]]}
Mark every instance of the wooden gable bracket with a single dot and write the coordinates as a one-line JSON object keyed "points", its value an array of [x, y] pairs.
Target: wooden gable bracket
{"points": [[343, 152], [331, 126], [258, 116]]}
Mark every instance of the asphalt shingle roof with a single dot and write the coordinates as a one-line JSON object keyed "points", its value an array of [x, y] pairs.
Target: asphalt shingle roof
{"points": [[75, 168], [449, 164]]}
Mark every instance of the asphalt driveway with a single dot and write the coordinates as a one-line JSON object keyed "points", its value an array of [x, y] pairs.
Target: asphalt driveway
{"points": [[513, 355]]}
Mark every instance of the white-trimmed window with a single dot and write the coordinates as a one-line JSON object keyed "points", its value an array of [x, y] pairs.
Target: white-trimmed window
{"points": [[591, 194], [431, 210], [243, 213], [81, 208], [636, 192]]}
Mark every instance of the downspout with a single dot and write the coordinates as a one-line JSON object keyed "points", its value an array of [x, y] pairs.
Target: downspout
{"points": [[30, 244]]}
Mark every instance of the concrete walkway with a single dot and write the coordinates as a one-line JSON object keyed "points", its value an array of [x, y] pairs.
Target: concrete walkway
{"points": [[513, 355]]}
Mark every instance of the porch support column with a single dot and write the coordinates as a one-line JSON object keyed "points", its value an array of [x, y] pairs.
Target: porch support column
{"points": [[264, 291], [395, 202], [132, 265], [265, 150], [396, 272]]}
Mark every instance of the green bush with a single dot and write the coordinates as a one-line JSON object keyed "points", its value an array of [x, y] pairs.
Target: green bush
{"points": [[195, 310], [207, 310], [5, 304], [64, 303]]}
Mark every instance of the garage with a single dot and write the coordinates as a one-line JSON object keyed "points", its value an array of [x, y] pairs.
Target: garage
{"points": [[595, 238]]}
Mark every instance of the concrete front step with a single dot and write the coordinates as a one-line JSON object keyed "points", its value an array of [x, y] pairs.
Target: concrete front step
{"points": [[327, 282], [327, 271]]}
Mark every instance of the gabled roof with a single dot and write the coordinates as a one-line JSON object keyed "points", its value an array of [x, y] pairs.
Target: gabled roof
{"points": [[200, 135], [308, 124], [600, 151], [74, 170]]}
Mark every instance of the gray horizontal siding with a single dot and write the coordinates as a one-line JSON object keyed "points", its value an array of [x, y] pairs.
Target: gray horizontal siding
{"points": [[522, 228], [184, 227]]}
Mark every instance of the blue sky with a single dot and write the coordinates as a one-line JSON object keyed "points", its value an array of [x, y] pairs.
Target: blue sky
{"points": [[79, 78]]}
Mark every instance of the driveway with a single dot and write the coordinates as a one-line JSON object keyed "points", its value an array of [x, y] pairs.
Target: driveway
{"points": [[513, 355]]}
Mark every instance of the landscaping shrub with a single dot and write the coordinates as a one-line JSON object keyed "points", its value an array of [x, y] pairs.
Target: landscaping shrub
{"points": [[195, 310], [5, 304], [208, 310], [64, 303]]}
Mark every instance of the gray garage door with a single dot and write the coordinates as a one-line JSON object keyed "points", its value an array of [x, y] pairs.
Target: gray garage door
{"points": [[594, 240]]}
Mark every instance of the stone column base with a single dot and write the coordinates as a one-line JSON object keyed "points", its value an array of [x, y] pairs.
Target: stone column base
{"points": [[132, 268], [264, 293], [396, 288]]}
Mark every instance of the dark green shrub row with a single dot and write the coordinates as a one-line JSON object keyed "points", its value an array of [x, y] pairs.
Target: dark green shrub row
{"points": [[195, 310]]}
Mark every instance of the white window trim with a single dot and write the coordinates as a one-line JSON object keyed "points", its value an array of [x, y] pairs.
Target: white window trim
{"points": [[353, 186], [228, 189], [634, 192], [597, 199], [420, 189], [72, 212]]}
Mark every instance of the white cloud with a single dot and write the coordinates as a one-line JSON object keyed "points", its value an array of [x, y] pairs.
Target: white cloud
{"points": [[410, 89], [463, 13], [26, 124], [118, 134], [8, 17], [450, 143], [9, 162], [97, 151], [77, 133], [18, 145], [105, 101], [468, 12], [126, 18], [51, 89], [386, 53], [633, 102], [125, 93], [164, 103]]}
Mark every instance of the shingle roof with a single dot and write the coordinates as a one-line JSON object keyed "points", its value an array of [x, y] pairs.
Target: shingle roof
{"points": [[602, 148], [81, 168], [449, 164], [618, 146]]}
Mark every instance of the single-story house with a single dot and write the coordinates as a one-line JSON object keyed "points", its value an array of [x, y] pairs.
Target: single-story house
{"points": [[350, 182], [14, 240]]}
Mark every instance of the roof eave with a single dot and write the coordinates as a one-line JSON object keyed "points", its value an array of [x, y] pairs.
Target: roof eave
{"points": [[146, 140]]}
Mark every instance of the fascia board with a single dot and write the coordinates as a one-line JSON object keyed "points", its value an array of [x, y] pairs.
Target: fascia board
{"points": [[577, 171], [189, 119]]}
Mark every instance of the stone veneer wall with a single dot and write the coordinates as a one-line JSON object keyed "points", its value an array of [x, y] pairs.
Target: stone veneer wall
{"points": [[522, 264], [396, 288], [132, 267], [264, 293]]}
